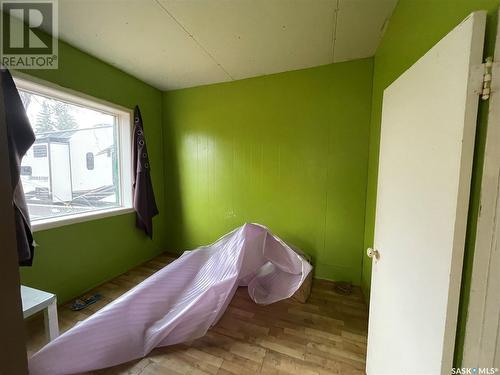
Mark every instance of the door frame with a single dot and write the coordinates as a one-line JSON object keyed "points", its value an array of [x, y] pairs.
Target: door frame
{"points": [[482, 298]]}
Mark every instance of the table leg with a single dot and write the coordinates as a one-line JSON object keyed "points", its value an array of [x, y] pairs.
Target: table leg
{"points": [[51, 323]]}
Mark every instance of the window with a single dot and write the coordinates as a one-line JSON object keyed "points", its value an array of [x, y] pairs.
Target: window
{"points": [[79, 166], [39, 151], [26, 171], [90, 160]]}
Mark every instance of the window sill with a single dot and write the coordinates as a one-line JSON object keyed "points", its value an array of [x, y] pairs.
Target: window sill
{"points": [[40, 225]]}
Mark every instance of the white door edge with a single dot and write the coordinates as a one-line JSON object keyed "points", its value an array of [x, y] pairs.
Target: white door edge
{"points": [[472, 105]]}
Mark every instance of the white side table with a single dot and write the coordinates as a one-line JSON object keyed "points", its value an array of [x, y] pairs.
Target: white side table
{"points": [[35, 300]]}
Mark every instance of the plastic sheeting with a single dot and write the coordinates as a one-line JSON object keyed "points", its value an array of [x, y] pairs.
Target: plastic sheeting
{"points": [[179, 302]]}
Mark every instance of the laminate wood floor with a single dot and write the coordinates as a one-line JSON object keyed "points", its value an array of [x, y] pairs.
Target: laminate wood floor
{"points": [[326, 335]]}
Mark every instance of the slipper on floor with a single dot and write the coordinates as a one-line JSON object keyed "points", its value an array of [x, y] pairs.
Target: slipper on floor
{"points": [[83, 302]]}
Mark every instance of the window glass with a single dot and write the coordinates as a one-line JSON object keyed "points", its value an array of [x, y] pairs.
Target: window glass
{"points": [[73, 166]]}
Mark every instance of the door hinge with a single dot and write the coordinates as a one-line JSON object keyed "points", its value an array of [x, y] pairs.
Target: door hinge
{"points": [[486, 91]]}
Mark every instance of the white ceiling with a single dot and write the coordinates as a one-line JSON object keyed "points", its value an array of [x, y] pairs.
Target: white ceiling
{"points": [[172, 44]]}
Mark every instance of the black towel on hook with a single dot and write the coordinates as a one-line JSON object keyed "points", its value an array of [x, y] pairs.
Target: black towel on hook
{"points": [[20, 138], [144, 197]]}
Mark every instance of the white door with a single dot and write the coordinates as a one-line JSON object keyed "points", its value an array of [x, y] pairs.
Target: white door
{"points": [[426, 148]]}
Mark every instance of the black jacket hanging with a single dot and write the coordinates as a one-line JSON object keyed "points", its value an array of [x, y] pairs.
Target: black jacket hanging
{"points": [[20, 138]]}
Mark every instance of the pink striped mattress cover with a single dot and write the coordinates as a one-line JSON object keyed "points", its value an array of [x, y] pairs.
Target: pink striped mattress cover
{"points": [[179, 302]]}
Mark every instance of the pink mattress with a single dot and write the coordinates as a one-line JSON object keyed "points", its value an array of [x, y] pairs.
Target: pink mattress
{"points": [[179, 302]]}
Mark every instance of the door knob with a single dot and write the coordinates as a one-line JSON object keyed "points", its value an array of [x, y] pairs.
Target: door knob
{"points": [[373, 253]]}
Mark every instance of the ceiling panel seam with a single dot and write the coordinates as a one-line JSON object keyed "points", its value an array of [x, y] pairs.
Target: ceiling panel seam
{"points": [[334, 32], [194, 39]]}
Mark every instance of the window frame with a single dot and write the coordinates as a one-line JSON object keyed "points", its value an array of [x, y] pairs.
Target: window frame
{"points": [[124, 145]]}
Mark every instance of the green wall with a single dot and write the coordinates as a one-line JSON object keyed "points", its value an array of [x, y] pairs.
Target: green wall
{"points": [[415, 26], [288, 150], [72, 259]]}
